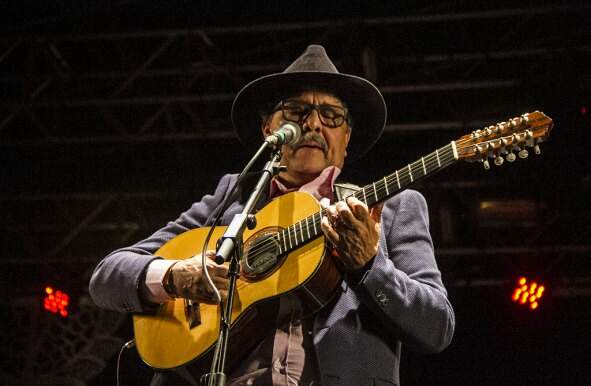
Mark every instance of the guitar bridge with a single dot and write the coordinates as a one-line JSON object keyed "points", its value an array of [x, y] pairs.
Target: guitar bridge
{"points": [[192, 314]]}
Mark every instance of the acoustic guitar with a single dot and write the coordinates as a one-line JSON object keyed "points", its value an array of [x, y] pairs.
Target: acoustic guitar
{"points": [[286, 252]]}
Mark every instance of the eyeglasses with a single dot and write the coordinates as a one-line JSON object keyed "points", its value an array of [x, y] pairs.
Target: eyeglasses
{"points": [[297, 111]]}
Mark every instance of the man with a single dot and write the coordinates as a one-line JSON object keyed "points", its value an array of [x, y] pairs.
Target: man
{"points": [[392, 293]]}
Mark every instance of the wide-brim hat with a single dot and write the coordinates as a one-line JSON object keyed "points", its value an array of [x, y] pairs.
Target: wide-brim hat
{"points": [[312, 70]]}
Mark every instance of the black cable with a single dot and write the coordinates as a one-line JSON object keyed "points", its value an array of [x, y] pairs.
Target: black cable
{"points": [[124, 347], [220, 210]]}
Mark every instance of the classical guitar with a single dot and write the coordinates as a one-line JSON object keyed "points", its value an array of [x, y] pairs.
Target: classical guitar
{"points": [[285, 253]]}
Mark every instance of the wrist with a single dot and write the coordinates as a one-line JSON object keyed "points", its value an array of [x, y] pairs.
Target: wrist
{"points": [[168, 282], [357, 275], [152, 287]]}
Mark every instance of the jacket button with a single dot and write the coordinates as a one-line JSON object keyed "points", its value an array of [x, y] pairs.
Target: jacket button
{"points": [[382, 297]]}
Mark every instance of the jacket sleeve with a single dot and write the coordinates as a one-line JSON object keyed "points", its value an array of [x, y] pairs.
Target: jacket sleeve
{"points": [[403, 286], [117, 281]]}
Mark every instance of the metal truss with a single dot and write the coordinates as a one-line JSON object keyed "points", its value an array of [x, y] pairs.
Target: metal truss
{"points": [[179, 84], [45, 349], [176, 86]]}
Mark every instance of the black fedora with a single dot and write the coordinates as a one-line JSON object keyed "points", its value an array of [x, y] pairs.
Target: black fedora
{"points": [[312, 70]]}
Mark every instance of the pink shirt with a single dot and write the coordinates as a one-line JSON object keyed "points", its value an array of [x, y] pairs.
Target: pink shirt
{"points": [[286, 356], [320, 187]]}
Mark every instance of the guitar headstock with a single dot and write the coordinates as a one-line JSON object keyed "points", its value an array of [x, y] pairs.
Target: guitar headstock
{"points": [[504, 139]]}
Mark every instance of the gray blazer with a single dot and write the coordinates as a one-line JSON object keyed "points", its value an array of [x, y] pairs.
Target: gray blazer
{"points": [[400, 299]]}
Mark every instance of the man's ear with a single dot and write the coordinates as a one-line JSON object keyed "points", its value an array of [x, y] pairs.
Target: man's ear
{"points": [[266, 127], [347, 138]]}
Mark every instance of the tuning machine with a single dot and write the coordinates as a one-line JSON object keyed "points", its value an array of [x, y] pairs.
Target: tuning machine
{"points": [[537, 149], [492, 130], [498, 160]]}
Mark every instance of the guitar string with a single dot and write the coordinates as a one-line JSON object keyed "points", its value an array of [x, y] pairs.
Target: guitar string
{"points": [[270, 243], [433, 158], [274, 240]]}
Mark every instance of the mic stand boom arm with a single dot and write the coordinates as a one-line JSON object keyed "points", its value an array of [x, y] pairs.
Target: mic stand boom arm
{"points": [[230, 249]]}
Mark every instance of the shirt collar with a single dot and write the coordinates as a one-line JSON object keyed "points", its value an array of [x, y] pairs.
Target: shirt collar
{"points": [[321, 186]]}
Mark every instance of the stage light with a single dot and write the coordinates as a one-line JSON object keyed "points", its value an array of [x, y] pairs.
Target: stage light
{"points": [[56, 301], [584, 110], [500, 213], [527, 294]]}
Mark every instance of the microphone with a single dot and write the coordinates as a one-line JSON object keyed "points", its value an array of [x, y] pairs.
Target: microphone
{"points": [[287, 133]]}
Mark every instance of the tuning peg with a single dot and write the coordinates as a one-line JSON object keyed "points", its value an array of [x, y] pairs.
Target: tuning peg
{"points": [[510, 157], [537, 150], [523, 153], [499, 160], [514, 123], [486, 164]]}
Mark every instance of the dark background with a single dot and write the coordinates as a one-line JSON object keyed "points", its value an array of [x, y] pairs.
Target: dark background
{"points": [[114, 118]]}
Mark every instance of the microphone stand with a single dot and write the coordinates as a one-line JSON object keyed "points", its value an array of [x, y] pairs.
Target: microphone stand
{"points": [[230, 248]]}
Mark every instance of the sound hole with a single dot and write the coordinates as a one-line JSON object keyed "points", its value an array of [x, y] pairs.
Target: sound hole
{"points": [[261, 254]]}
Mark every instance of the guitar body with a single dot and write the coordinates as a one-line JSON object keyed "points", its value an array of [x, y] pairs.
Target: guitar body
{"points": [[171, 337]]}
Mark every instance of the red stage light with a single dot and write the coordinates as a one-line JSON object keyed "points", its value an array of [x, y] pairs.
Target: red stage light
{"points": [[56, 302], [527, 294]]}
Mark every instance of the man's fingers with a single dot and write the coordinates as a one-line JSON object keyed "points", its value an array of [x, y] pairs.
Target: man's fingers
{"points": [[329, 231], [205, 293], [344, 213], [376, 212], [190, 281], [331, 213], [220, 283], [224, 295], [210, 254], [358, 208], [217, 269]]}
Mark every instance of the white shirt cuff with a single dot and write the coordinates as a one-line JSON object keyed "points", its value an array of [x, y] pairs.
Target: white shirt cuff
{"points": [[154, 276]]}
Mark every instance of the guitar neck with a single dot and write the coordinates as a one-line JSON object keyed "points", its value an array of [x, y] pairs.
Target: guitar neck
{"points": [[402, 178], [309, 228]]}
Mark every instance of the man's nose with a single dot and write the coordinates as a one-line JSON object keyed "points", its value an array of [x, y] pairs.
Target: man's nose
{"points": [[312, 121]]}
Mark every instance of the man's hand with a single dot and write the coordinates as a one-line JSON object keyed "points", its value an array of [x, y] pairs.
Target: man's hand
{"points": [[186, 279], [354, 230]]}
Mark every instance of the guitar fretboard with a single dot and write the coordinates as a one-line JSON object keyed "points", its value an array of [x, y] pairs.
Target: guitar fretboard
{"points": [[308, 229]]}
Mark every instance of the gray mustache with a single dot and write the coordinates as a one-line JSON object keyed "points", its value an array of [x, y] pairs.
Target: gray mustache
{"points": [[311, 137]]}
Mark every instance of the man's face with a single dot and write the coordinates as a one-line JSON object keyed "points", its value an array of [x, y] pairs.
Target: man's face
{"points": [[320, 146]]}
